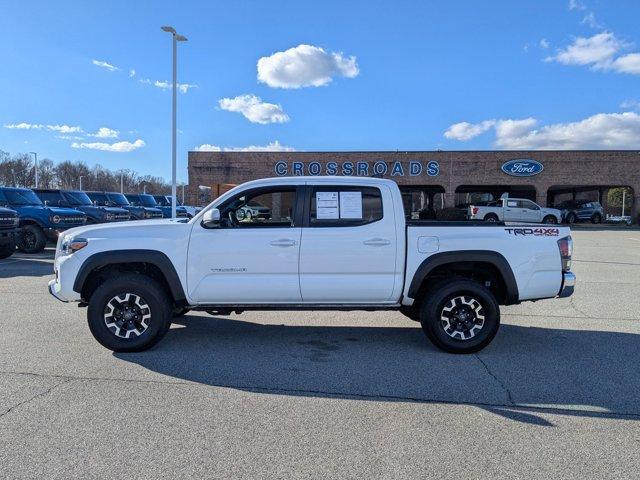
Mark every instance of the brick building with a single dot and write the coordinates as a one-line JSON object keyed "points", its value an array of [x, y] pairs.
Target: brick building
{"points": [[439, 179]]}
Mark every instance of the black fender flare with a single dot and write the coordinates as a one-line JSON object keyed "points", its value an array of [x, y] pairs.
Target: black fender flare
{"points": [[486, 256], [30, 220], [154, 257]]}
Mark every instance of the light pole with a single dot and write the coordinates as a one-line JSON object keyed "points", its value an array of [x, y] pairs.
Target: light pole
{"points": [[80, 182], [36, 166], [122, 183], [176, 38], [183, 193]]}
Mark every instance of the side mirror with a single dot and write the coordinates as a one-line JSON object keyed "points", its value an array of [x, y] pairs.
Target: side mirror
{"points": [[211, 218]]}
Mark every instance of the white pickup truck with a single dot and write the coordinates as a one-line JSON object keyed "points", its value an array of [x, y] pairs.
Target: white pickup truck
{"points": [[514, 210], [332, 243]]}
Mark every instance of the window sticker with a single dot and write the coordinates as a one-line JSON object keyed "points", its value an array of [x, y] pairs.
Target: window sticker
{"points": [[327, 206], [512, 204], [351, 205]]}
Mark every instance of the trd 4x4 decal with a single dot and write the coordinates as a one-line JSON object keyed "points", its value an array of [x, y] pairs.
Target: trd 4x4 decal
{"points": [[538, 231]]}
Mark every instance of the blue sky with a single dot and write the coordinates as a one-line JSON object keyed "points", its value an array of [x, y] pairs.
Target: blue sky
{"points": [[374, 75]]}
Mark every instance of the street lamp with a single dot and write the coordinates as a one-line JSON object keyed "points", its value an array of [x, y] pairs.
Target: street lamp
{"points": [[176, 38], [36, 166], [81, 182]]}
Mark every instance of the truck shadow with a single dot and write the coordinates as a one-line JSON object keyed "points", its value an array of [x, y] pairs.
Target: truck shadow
{"points": [[23, 265], [525, 374]]}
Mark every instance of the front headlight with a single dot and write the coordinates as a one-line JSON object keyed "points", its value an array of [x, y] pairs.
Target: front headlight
{"points": [[72, 244], [110, 217], [147, 214], [55, 218]]}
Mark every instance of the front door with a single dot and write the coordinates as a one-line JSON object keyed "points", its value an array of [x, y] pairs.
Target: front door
{"points": [[531, 211], [252, 257], [348, 252]]}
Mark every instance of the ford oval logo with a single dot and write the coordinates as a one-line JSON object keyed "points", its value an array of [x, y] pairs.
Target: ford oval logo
{"points": [[522, 168]]}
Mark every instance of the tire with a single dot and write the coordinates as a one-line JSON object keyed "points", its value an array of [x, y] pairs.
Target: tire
{"points": [[571, 218], [32, 239], [149, 313], [597, 218], [451, 305], [491, 217], [7, 248], [550, 219]]}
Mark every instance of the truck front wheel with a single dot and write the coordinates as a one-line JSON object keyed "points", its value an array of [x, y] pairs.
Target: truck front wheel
{"points": [[32, 239], [460, 316], [129, 313]]}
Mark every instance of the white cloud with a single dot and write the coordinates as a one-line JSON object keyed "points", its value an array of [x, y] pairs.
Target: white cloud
{"points": [[164, 85], [305, 66], [38, 126], [105, 132], [64, 128], [544, 43], [631, 104], [132, 73], [70, 137], [254, 109], [596, 51], [599, 52], [271, 147], [111, 147], [105, 65], [590, 20], [576, 5], [25, 126], [464, 131], [600, 131]]}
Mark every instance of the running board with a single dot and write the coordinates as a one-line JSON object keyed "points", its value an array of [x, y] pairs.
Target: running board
{"points": [[238, 308]]}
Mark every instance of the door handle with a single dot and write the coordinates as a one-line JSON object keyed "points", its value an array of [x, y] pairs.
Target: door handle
{"points": [[283, 242], [377, 242]]}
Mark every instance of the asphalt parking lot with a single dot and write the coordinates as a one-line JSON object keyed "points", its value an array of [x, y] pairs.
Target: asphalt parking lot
{"points": [[328, 395]]}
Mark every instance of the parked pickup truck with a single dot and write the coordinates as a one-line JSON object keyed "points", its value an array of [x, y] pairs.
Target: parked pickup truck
{"points": [[80, 201], [8, 231], [329, 243], [514, 210]]}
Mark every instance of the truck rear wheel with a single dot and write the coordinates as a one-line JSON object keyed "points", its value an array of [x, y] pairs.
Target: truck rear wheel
{"points": [[491, 217], [32, 239], [460, 316], [129, 313]]}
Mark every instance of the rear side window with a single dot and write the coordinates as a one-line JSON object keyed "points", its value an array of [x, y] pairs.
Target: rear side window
{"points": [[344, 206]]}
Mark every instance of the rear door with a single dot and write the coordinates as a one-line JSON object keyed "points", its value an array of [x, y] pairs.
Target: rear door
{"points": [[348, 248]]}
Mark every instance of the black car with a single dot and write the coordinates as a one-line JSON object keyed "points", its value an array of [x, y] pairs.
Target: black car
{"points": [[115, 199], [81, 201], [581, 211], [8, 231]]}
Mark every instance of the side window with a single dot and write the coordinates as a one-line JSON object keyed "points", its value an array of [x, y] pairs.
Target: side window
{"points": [[529, 205], [344, 206], [260, 208], [512, 203]]}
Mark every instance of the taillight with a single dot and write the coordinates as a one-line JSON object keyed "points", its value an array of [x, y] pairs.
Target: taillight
{"points": [[474, 210], [565, 245]]}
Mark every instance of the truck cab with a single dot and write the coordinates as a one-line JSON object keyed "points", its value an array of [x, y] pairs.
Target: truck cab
{"points": [[8, 231], [150, 201], [115, 199], [80, 201], [164, 203], [38, 222]]}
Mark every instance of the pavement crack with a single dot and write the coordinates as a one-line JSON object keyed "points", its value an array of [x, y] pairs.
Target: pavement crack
{"points": [[34, 397], [500, 382]]}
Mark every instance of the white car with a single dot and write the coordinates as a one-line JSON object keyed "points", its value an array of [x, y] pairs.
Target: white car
{"points": [[329, 244], [514, 210]]}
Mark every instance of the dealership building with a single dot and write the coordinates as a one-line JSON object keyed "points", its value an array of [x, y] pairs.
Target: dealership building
{"points": [[440, 180]]}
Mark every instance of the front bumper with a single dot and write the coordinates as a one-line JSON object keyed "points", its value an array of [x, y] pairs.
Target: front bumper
{"points": [[568, 284], [65, 269]]}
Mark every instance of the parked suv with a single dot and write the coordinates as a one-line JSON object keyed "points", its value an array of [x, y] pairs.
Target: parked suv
{"points": [[164, 203], [38, 222], [80, 201], [8, 230], [581, 210], [114, 199]]}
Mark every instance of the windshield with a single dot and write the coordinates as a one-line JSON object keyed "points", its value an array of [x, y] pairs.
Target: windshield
{"points": [[118, 198], [148, 200], [178, 202], [22, 197], [78, 198], [162, 200], [99, 198]]}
